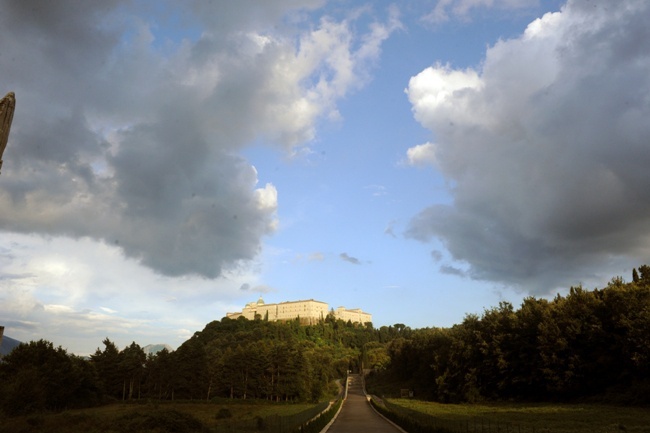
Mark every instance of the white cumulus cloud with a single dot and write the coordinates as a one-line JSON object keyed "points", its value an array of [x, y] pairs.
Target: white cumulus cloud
{"points": [[546, 149], [422, 154]]}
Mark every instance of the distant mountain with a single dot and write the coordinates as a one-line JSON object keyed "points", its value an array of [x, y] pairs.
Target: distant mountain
{"points": [[8, 344], [155, 348]]}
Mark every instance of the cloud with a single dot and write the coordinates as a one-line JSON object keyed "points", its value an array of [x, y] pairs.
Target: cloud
{"points": [[436, 255], [377, 190], [129, 134], [316, 257], [390, 229], [261, 288], [20, 324], [462, 8], [72, 292], [345, 257], [545, 149], [421, 155], [451, 270]]}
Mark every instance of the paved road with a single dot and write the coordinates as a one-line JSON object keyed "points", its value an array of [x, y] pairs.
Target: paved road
{"points": [[357, 416]]}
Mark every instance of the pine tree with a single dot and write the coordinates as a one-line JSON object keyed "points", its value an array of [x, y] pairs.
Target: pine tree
{"points": [[106, 364]]}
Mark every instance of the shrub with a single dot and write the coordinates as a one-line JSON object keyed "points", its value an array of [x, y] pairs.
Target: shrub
{"points": [[224, 413], [261, 423], [158, 420]]}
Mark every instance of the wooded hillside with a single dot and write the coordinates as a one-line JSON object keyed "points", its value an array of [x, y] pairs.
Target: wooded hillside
{"points": [[585, 345]]}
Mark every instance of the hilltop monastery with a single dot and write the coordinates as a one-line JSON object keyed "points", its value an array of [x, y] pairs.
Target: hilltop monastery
{"points": [[309, 312]]}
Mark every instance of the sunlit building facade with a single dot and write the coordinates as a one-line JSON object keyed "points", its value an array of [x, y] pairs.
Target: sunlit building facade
{"points": [[354, 315], [309, 312]]}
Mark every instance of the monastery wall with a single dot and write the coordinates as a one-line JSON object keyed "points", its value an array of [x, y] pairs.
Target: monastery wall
{"points": [[309, 311], [355, 316]]}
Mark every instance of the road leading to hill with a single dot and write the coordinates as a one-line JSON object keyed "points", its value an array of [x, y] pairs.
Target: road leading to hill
{"points": [[357, 416]]}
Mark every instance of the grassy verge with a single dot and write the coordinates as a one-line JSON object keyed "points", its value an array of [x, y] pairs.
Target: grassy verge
{"points": [[539, 418], [154, 417]]}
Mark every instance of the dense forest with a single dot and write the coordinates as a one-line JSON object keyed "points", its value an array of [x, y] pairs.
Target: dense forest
{"points": [[241, 359], [584, 345], [587, 345]]}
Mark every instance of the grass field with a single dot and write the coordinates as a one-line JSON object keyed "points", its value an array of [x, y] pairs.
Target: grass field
{"points": [[540, 418], [151, 417]]}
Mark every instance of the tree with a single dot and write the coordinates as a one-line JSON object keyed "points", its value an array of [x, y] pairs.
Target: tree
{"points": [[159, 374], [375, 356], [106, 363], [644, 277], [37, 376], [527, 377], [191, 372], [131, 366], [215, 367]]}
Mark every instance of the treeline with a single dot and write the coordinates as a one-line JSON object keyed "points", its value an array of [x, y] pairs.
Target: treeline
{"points": [[585, 345], [236, 359], [37, 376]]}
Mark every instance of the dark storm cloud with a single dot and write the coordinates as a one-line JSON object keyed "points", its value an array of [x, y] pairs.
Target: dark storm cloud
{"points": [[166, 190], [130, 132], [547, 150]]}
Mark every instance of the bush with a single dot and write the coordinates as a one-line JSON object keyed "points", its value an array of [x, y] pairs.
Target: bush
{"points": [[158, 420], [261, 423], [223, 413], [24, 393], [319, 423], [35, 420]]}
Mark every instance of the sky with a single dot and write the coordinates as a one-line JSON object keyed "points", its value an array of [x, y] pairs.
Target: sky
{"points": [[170, 162]]}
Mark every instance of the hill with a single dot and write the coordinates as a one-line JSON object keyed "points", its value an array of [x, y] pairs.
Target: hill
{"points": [[155, 348], [584, 346], [8, 344]]}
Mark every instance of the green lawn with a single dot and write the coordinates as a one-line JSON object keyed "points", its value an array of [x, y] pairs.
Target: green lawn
{"points": [[540, 418], [151, 417]]}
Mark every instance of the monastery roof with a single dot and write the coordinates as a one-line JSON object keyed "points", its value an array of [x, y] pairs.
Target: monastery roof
{"points": [[285, 302], [306, 300]]}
